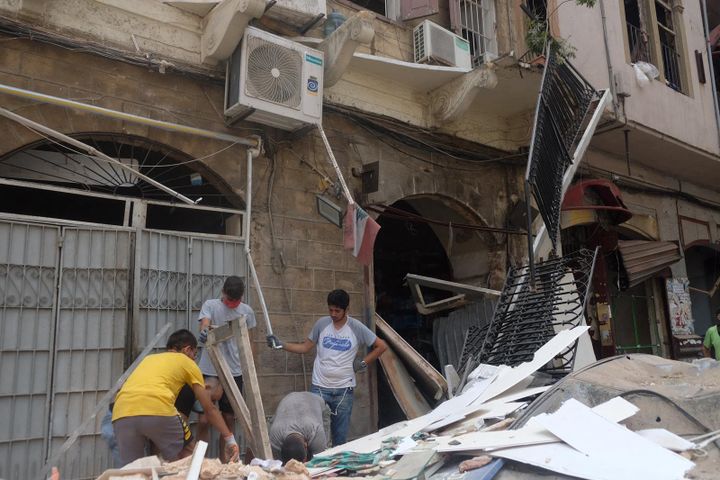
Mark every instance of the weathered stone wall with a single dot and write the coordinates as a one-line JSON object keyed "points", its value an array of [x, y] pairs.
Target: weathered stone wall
{"points": [[305, 259]]}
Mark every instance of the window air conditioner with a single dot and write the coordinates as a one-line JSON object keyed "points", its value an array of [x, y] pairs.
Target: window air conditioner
{"points": [[434, 44], [274, 81]]}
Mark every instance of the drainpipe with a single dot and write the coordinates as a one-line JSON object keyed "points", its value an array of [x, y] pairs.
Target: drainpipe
{"points": [[611, 76], [703, 5]]}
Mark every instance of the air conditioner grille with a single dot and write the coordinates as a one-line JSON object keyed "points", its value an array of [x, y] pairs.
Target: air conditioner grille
{"points": [[274, 73], [419, 44], [443, 45]]}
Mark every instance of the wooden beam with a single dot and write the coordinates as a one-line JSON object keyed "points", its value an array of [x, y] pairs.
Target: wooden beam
{"points": [[230, 387], [252, 388]]}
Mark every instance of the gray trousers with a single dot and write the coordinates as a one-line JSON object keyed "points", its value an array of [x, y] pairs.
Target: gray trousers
{"points": [[167, 434]]}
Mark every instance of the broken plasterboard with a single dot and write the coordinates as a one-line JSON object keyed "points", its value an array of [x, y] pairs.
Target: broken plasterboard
{"points": [[601, 449], [508, 379], [615, 410]]}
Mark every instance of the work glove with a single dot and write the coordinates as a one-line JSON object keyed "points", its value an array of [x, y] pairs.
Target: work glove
{"points": [[232, 451], [273, 341], [202, 338], [359, 365]]}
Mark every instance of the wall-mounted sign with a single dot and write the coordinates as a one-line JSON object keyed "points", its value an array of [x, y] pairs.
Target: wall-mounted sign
{"points": [[679, 305]]}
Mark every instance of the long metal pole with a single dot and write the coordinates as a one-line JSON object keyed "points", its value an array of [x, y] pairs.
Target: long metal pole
{"points": [[91, 150], [174, 127], [248, 208]]}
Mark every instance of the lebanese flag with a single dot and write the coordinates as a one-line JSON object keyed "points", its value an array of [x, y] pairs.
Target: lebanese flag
{"points": [[360, 231]]}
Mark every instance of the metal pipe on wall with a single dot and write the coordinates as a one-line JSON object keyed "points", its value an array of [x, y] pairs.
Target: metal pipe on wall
{"points": [[91, 150], [173, 127], [252, 153]]}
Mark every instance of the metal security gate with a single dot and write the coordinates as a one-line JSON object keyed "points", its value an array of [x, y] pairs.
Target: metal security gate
{"points": [[67, 296], [28, 275], [90, 339], [177, 273]]}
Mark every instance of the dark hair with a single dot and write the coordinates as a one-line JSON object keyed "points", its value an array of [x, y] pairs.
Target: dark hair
{"points": [[293, 447], [234, 288], [717, 312], [338, 298], [181, 339]]}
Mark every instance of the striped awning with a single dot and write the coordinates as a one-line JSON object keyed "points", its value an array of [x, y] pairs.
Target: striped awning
{"points": [[642, 259]]}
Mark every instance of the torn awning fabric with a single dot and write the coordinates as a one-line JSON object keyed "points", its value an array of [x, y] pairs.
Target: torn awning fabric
{"points": [[642, 259]]}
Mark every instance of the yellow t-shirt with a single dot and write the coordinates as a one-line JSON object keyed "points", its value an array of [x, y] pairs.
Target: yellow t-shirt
{"points": [[154, 385]]}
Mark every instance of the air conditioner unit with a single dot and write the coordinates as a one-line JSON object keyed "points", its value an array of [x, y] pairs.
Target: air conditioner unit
{"points": [[274, 81], [434, 44]]}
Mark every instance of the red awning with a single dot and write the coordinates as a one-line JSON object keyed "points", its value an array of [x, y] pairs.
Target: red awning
{"points": [[600, 195]]}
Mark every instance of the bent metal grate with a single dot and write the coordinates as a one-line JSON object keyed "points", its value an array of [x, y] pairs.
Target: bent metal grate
{"points": [[528, 314], [564, 104]]}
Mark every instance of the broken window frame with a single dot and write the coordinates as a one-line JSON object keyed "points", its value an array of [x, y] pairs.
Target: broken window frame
{"points": [[464, 293], [669, 55]]}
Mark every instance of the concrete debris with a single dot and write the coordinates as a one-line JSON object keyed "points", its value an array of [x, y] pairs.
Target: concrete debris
{"points": [[211, 469]]}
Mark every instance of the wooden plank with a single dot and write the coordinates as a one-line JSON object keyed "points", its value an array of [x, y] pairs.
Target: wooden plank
{"points": [[230, 387], [252, 387], [403, 388], [104, 401], [197, 459], [421, 369]]}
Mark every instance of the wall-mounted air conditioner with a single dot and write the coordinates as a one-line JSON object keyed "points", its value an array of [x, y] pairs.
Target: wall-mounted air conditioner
{"points": [[274, 81], [434, 44]]}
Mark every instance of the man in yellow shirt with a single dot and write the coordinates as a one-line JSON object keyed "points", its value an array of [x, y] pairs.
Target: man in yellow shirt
{"points": [[145, 405]]}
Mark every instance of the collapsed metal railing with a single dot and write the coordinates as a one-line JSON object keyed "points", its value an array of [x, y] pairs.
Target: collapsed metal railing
{"points": [[565, 101], [528, 314]]}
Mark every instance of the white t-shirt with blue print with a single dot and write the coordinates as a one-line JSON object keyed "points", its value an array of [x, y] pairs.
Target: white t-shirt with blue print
{"points": [[336, 350]]}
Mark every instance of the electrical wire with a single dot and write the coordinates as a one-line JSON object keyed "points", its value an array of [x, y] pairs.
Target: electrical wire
{"points": [[383, 133], [397, 213]]}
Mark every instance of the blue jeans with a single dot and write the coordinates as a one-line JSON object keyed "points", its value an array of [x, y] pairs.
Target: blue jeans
{"points": [[340, 401]]}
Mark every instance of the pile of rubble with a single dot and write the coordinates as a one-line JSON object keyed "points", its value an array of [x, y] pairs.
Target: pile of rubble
{"points": [[494, 428]]}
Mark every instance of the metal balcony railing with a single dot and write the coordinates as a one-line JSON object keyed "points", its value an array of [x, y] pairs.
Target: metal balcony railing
{"points": [[638, 43]]}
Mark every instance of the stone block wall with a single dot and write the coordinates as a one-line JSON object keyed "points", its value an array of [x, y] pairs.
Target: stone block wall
{"points": [[298, 255]]}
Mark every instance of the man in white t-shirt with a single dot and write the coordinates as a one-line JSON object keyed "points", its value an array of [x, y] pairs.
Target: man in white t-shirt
{"points": [[215, 313], [338, 338]]}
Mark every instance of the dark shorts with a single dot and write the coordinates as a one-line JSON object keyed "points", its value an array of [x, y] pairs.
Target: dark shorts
{"points": [[168, 434], [185, 400], [224, 403]]}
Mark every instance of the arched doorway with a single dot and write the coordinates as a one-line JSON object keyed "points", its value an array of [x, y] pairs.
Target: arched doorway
{"points": [[408, 243], [94, 262], [53, 180]]}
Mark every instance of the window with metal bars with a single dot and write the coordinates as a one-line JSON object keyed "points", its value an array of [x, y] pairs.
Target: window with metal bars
{"points": [[474, 20], [653, 37]]}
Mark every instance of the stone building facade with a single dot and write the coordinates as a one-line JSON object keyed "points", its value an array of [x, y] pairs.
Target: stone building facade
{"points": [[449, 146]]}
